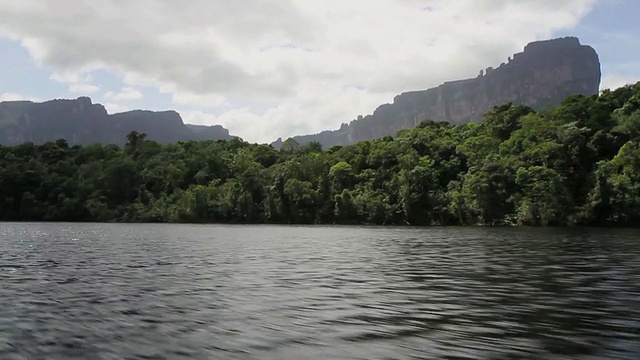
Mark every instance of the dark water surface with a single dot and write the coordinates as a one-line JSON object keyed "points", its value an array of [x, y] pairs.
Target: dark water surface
{"points": [[267, 292]]}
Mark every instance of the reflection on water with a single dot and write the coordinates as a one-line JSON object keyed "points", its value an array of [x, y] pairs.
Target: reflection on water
{"points": [[269, 292]]}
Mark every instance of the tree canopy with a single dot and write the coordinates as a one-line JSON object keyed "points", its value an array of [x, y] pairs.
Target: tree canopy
{"points": [[576, 164]]}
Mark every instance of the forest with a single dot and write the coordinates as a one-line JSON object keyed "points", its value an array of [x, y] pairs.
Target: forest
{"points": [[577, 164]]}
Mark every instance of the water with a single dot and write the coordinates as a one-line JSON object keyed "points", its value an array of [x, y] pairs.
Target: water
{"points": [[268, 292]]}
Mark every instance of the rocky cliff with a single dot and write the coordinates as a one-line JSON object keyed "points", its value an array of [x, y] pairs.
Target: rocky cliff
{"points": [[541, 76], [80, 121]]}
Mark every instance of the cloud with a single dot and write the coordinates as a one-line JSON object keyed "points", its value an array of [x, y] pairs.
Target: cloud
{"points": [[114, 108], [11, 97], [614, 81], [203, 101], [79, 82], [83, 88], [126, 93], [270, 68]]}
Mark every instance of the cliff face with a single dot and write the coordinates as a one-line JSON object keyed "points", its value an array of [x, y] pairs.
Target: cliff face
{"points": [[82, 122], [541, 76]]}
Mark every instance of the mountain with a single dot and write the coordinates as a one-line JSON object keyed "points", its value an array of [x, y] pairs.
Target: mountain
{"points": [[540, 77], [80, 121]]}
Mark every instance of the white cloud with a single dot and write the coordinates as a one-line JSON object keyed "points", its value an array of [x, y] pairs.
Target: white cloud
{"points": [[11, 97], [199, 100], [270, 68], [83, 88], [126, 93], [291, 117], [79, 82], [614, 81], [113, 108]]}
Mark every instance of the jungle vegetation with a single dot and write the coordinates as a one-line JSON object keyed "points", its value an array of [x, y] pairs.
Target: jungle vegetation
{"points": [[577, 164]]}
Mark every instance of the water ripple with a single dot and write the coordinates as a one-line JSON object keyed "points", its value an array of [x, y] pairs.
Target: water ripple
{"points": [[268, 292]]}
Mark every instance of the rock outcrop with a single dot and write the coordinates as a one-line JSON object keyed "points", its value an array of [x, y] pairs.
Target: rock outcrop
{"points": [[80, 121], [541, 76]]}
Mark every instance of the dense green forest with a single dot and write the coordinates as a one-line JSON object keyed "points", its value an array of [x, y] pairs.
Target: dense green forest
{"points": [[576, 164]]}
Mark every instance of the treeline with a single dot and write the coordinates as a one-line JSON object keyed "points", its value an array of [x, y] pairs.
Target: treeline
{"points": [[577, 164]]}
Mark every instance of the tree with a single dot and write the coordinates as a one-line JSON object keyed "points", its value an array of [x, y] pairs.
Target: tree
{"points": [[544, 198], [576, 164], [134, 140]]}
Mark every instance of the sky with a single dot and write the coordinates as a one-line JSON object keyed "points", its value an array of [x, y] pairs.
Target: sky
{"points": [[277, 68]]}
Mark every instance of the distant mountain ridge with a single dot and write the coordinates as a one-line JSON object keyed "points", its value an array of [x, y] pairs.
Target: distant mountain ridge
{"points": [[541, 76], [82, 122]]}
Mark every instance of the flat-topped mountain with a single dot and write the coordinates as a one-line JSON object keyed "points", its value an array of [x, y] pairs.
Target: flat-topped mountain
{"points": [[541, 76], [80, 121]]}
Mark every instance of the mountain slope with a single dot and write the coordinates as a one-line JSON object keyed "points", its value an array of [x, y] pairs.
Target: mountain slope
{"points": [[541, 76], [80, 121]]}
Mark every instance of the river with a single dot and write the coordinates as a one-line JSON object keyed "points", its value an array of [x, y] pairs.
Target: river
{"points": [[114, 291]]}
